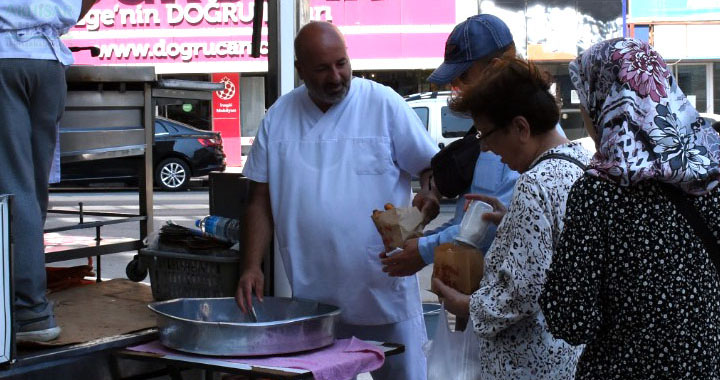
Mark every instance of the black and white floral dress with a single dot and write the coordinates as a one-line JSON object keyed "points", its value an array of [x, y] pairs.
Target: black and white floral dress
{"points": [[631, 280], [515, 342]]}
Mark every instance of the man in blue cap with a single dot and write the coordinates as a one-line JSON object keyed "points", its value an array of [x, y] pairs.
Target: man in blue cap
{"points": [[473, 44], [469, 49]]}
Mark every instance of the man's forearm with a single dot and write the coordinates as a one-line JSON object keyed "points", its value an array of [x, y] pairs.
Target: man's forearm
{"points": [[258, 230], [427, 185]]}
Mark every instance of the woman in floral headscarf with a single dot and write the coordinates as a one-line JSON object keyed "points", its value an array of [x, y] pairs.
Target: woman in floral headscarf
{"points": [[630, 277]]}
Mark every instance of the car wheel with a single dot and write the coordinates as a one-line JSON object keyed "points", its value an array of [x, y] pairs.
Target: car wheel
{"points": [[172, 174]]}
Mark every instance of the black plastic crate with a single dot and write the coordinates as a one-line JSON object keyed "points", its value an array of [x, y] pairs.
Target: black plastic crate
{"points": [[188, 275]]}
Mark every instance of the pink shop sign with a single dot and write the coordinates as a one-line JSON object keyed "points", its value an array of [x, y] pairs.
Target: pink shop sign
{"points": [[180, 31]]}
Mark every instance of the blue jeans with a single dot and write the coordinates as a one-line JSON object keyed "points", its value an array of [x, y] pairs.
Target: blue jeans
{"points": [[32, 99]]}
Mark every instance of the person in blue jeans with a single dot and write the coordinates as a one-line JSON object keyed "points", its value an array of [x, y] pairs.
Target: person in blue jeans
{"points": [[33, 90]]}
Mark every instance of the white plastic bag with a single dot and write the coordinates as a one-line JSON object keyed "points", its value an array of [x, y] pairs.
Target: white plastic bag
{"points": [[453, 354], [152, 240]]}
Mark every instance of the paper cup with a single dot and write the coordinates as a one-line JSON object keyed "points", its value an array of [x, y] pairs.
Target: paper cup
{"points": [[472, 227]]}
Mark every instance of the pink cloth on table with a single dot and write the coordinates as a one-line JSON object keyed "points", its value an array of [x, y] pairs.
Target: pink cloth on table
{"points": [[342, 360]]}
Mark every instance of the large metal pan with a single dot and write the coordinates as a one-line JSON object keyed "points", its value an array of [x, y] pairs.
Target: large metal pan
{"points": [[217, 326]]}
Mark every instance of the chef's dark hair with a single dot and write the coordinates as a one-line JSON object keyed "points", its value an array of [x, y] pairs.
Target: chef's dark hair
{"points": [[509, 88]]}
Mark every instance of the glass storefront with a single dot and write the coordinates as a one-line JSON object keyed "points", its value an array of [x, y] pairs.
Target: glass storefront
{"points": [[195, 113], [692, 80], [404, 82]]}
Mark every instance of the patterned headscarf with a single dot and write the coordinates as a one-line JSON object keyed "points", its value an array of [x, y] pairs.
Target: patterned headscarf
{"points": [[647, 129]]}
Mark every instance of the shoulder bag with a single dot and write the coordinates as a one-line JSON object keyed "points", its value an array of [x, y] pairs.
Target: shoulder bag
{"points": [[693, 217], [454, 166]]}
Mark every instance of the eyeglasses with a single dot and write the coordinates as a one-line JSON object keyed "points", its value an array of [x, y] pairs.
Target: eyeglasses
{"points": [[482, 136]]}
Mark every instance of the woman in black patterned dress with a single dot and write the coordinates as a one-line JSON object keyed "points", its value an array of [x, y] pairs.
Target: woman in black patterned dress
{"points": [[630, 278]]}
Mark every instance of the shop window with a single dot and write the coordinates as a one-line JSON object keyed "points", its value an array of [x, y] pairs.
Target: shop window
{"points": [[195, 113], [404, 82], [642, 32], [693, 82], [572, 123]]}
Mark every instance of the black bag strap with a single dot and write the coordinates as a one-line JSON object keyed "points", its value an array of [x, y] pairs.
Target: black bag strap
{"points": [[561, 157], [692, 215]]}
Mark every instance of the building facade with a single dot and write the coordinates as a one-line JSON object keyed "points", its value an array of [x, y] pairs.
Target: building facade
{"points": [[684, 32], [395, 42]]}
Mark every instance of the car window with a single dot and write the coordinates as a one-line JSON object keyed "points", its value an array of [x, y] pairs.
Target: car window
{"points": [[454, 125], [422, 113]]}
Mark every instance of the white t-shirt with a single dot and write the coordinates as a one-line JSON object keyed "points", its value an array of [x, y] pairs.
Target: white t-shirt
{"points": [[326, 173]]}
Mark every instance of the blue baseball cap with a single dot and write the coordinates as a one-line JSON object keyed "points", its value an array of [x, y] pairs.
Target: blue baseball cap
{"points": [[473, 39]]}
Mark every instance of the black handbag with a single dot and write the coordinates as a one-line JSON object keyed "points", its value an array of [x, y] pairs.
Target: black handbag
{"points": [[454, 166]]}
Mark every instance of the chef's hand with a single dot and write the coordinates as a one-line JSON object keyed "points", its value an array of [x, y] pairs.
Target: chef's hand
{"points": [[454, 301], [406, 263], [251, 278], [428, 205], [499, 209]]}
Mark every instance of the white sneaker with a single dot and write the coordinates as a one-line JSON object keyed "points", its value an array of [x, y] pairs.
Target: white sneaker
{"points": [[45, 335], [42, 329]]}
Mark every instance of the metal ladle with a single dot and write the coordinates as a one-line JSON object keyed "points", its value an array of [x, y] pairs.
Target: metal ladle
{"points": [[253, 315]]}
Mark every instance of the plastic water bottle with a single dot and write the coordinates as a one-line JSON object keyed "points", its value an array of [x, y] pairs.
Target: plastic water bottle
{"points": [[225, 229]]}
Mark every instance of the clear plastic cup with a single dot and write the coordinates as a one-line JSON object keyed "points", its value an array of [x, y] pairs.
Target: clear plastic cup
{"points": [[472, 227]]}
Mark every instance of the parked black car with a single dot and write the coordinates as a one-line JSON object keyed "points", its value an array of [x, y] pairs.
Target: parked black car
{"points": [[180, 152]]}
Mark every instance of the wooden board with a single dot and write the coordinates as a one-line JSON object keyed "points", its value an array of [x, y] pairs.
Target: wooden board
{"points": [[101, 310]]}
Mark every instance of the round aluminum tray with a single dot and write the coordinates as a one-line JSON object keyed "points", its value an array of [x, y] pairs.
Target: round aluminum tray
{"points": [[217, 326]]}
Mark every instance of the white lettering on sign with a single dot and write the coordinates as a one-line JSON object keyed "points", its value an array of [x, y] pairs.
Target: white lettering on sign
{"points": [[213, 13], [225, 108], [321, 13], [185, 50], [137, 16]]}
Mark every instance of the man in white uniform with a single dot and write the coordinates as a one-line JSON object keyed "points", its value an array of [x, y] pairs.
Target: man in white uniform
{"points": [[325, 156]]}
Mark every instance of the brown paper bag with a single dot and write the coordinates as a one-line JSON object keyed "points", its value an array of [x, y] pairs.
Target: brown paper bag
{"points": [[398, 224], [459, 267]]}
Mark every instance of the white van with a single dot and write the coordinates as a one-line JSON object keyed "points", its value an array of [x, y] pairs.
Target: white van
{"points": [[443, 125]]}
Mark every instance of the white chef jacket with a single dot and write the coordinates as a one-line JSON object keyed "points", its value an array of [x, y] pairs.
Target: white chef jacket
{"points": [[326, 173]]}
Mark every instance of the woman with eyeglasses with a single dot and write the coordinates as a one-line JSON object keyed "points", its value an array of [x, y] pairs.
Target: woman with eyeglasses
{"points": [[635, 275], [516, 116]]}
